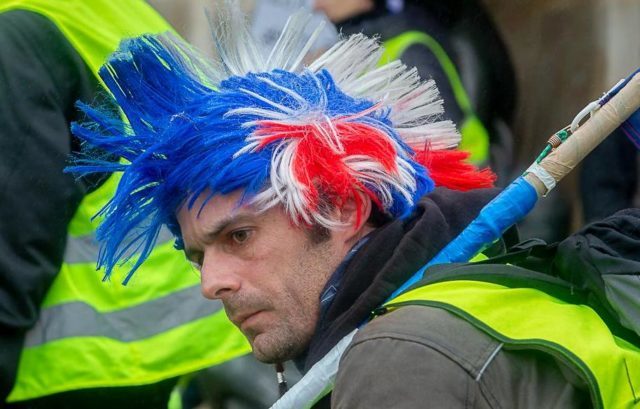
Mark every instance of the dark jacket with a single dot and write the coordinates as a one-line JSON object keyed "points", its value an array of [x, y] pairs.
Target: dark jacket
{"points": [[381, 368], [41, 78], [609, 177]]}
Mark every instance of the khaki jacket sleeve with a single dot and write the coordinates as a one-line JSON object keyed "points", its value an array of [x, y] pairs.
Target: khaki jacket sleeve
{"points": [[424, 357], [387, 372]]}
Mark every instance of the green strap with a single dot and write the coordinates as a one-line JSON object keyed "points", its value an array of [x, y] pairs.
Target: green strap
{"points": [[573, 333], [396, 46], [475, 140], [475, 137]]}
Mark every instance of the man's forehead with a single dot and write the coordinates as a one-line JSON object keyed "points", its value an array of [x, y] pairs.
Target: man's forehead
{"points": [[219, 206]]}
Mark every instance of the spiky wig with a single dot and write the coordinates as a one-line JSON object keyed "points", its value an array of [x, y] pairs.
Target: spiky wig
{"points": [[305, 138]]}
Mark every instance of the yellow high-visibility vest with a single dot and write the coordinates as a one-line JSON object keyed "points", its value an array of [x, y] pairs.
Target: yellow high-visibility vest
{"points": [[92, 333], [572, 333]]}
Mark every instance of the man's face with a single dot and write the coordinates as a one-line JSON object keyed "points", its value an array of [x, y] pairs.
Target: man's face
{"points": [[267, 272]]}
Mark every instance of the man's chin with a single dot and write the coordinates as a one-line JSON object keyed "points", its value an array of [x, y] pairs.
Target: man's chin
{"points": [[270, 350]]}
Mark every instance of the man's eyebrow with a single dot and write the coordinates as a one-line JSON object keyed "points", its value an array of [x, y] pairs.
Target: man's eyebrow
{"points": [[215, 230]]}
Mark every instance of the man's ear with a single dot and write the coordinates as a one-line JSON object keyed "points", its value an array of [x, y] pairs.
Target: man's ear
{"points": [[354, 214]]}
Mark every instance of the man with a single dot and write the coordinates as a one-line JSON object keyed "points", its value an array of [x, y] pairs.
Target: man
{"points": [[306, 196], [68, 339]]}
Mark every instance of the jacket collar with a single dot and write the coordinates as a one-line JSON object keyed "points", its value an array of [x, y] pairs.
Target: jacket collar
{"points": [[391, 255]]}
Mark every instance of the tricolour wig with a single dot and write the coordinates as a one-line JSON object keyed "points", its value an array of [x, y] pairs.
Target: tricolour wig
{"points": [[305, 138]]}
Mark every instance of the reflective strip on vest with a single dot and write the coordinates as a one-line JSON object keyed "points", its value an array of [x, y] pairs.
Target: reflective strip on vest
{"points": [[573, 333], [77, 319], [96, 362], [475, 137], [95, 333]]}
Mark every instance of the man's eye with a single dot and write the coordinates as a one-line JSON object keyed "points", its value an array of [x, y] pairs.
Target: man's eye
{"points": [[240, 236], [196, 265]]}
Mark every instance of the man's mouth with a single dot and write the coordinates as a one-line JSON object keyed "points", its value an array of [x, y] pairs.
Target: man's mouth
{"points": [[240, 319]]}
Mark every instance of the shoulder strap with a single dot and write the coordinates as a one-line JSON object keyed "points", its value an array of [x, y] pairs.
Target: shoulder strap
{"points": [[475, 137]]}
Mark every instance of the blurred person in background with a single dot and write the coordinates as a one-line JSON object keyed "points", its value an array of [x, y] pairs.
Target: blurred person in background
{"points": [[269, 16], [456, 44], [68, 339]]}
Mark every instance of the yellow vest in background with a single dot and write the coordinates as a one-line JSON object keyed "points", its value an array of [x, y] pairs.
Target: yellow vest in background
{"points": [[475, 137], [102, 334]]}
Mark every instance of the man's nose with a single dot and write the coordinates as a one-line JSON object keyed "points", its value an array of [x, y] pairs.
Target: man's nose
{"points": [[218, 279]]}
